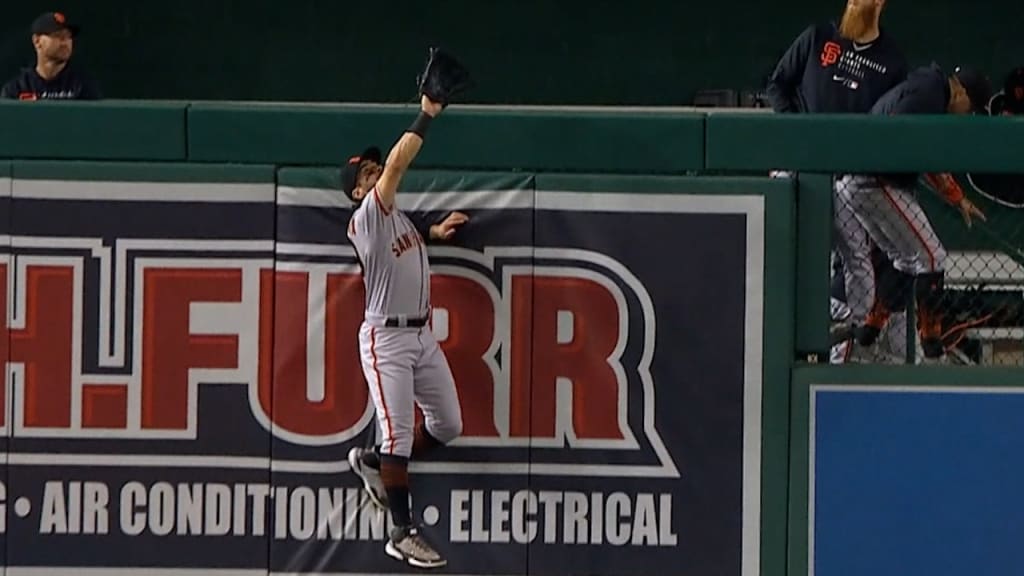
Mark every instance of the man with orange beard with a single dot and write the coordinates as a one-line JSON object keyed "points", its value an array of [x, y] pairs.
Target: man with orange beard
{"points": [[837, 69]]}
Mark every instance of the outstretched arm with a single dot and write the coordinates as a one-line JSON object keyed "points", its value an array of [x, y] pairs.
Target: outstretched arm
{"points": [[403, 152], [947, 186]]}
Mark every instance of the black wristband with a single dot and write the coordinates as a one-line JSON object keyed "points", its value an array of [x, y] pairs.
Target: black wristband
{"points": [[420, 125]]}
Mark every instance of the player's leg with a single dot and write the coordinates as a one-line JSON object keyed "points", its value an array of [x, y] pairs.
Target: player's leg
{"points": [[870, 207], [854, 246], [893, 289], [915, 249], [387, 358], [437, 397]]}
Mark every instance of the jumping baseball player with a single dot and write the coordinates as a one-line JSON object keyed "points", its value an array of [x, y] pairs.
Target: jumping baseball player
{"points": [[842, 68], [402, 362], [887, 208]]}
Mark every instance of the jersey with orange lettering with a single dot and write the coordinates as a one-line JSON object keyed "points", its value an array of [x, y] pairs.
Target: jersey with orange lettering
{"points": [[402, 361], [396, 272]]}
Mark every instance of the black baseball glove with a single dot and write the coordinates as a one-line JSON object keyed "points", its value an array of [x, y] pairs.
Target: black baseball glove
{"points": [[443, 77]]}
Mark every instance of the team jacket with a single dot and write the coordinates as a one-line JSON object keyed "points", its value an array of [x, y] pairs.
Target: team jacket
{"points": [[70, 84], [925, 91], [822, 72]]}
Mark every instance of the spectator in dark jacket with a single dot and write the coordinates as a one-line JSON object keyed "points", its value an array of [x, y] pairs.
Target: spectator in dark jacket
{"points": [[52, 78]]}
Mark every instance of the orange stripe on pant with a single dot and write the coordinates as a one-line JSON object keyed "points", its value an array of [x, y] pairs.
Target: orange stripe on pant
{"points": [[380, 391], [917, 233]]}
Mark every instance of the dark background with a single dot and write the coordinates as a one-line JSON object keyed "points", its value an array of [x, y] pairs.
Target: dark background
{"points": [[646, 52]]}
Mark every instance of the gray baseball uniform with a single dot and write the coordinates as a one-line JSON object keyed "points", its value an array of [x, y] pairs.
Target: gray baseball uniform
{"points": [[401, 359]]}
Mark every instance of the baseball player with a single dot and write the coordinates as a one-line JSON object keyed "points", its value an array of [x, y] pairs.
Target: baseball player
{"points": [[838, 69], [402, 362], [885, 204]]}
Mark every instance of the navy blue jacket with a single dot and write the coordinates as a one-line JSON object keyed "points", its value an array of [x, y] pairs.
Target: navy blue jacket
{"points": [[925, 91], [823, 73]]}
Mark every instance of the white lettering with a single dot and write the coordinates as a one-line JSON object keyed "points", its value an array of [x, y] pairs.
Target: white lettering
{"points": [[524, 508], [161, 509], [190, 508], [3, 508], [597, 522], [577, 518], [550, 500], [574, 525], [499, 516], [259, 493], [94, 508], [133, 495], [616, 507], [459, 516], [280, 496], [666, 536], [645, 529], [239, 510], [330, 513], [477, 531], [218, 509], [74, 507], [351, 503], [302, 520], [53, 518]]}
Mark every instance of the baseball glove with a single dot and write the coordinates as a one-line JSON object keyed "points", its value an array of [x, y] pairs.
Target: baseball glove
{"points": [[443, 77]]}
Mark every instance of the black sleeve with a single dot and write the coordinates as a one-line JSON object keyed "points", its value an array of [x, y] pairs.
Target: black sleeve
{"points": [[784, 82], [422, 222], [9, 91]]}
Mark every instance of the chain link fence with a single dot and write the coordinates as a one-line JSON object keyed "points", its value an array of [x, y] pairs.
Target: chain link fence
{"points": [[928, 269]]}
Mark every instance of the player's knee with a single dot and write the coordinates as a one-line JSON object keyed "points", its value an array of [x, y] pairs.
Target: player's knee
{"points": [[448, 429]]}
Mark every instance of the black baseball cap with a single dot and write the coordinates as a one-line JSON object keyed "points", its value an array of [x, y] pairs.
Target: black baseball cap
{"points": [[978, 87], [50, 22], [1013, 91], [350, 171]]}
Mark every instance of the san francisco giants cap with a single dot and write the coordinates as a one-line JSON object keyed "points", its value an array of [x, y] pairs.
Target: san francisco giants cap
{"points": [[1013, 91], [978, 87], [50, 22], [350, 171]]}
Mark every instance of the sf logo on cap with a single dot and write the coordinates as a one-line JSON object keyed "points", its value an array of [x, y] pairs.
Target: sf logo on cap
{"points": [[59, 18]]}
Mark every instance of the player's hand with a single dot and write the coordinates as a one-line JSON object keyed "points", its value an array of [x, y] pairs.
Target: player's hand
{"points": [[446, 229], [429, 106], [968, 210]]}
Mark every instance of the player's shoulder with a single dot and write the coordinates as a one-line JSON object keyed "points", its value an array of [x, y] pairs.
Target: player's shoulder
{"points": [[16, 84], [823, 30]]}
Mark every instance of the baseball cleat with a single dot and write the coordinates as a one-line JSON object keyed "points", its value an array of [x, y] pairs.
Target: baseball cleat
{"points": [[372, 483], [408, 545]]}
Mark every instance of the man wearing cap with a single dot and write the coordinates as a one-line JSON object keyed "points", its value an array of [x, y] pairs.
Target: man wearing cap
{"points": [[52, 78], [885, 204], [430, 230], [402, 361]]}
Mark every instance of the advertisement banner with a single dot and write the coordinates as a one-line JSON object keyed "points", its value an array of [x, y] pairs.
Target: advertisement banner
{"points": [[184, 380], [930, 486], [6, 218]]}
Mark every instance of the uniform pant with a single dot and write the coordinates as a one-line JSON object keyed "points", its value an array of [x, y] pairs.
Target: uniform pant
{"points": [[405, 367], [895, 221], [855, 249]]}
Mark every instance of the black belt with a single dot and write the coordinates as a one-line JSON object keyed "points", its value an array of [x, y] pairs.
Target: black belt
{"points": [[394, 322]]}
